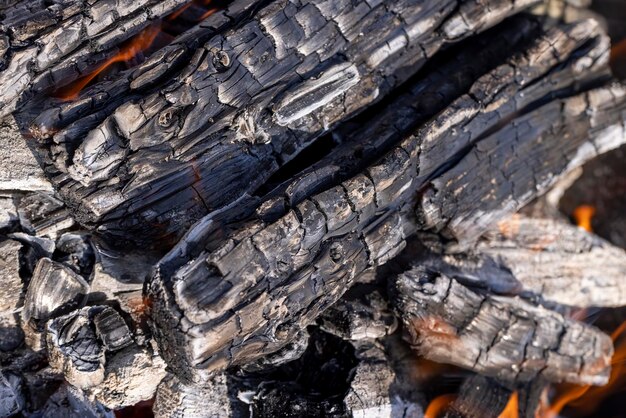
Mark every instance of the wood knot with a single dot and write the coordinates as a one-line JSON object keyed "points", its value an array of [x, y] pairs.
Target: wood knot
{"points": [[336, 252], [221, 60], [167, 118]]}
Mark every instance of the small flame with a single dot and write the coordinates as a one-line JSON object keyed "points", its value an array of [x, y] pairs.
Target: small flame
{"points": [[139, 43], [583, 215], [136, 45], [439, 405], [588, 397], [512, 407], [202, 3]]}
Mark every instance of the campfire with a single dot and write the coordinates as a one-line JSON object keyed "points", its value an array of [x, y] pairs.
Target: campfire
{"points": [[325, 208]]}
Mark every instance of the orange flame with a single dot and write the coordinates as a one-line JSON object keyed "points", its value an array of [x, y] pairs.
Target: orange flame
{"points": [[589, 397], [139, 43], [511, 410], [583, 215], [439, 405], [203, 3]]}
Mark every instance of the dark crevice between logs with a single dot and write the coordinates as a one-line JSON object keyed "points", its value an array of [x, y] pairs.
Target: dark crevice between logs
{"points": [[457, 62], [295, 388]]}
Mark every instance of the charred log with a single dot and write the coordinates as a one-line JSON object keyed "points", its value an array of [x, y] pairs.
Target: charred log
{"points": [[248, 293], [229, 119], [503, 337]]}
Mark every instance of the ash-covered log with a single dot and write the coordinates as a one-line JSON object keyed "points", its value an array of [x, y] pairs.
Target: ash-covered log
{"points": [[547, 258], [504, 337]]}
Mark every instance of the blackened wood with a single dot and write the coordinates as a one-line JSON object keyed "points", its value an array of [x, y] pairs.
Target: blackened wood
{"points": [[257, 283], [504, 337], [48, 45], [251, 99], [53, 290], [74, 348]]}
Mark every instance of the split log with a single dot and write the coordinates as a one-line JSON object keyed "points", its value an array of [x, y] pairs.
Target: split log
{"points": [[250, 291], [503, 337], [177, 400], [231, 119], [551, 259]]}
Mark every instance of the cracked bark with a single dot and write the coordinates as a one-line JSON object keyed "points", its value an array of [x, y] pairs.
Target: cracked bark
{"points": [[234, 290], [503, 337], [251, 99]]}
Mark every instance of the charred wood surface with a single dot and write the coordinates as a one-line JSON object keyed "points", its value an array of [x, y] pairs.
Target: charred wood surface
{"points": [[251, 99], [550, 259], [256, 283], [504, 337]]}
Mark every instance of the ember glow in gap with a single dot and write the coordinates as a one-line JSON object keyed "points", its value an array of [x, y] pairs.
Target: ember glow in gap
{"points": [[133, 49], [137, 45]]}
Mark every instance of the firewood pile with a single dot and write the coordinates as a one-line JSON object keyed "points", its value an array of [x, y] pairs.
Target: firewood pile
{"points": [[312, 208]]}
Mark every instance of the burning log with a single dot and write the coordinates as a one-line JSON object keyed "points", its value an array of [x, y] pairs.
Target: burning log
{"points": [[279, 126], [480, 397], [211, 140], [249, 292], [551, 259], [503, 337]]}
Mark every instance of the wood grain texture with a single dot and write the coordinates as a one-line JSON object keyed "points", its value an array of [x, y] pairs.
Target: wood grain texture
{"points": [[236, 288], [503, 337], [251, 99]]}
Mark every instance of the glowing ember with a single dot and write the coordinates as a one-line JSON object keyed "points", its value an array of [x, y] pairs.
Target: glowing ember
{"points": [[618, 51], [512, 407], [208, 13], [583, 215], [138, 44], [438, 405], [587, 398]]}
